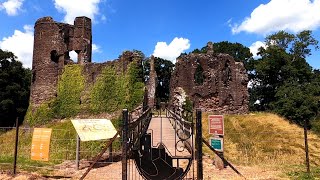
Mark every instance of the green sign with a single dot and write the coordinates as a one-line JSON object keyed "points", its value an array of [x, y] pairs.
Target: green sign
{"points": [[217, 143]]}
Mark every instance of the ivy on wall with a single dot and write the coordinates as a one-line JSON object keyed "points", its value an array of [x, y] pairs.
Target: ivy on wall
{"points": [[105, 94], [112, 91], [70, 86]]}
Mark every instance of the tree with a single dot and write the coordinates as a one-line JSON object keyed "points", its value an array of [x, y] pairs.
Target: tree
{"points": [[14, 89], [163, 68], [297, 102], [283, 80]]}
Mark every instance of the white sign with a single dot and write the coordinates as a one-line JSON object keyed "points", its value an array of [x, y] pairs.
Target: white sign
{"points": [[94, 129]]}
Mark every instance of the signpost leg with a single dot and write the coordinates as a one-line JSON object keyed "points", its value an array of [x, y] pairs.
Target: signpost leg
{"points": [[199, 144], [77, 152], [110, 153]]}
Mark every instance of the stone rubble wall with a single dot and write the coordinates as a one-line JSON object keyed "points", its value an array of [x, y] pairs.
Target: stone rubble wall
{"points": [[224, 89]]}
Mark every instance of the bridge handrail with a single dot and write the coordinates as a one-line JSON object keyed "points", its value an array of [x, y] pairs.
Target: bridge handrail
{"points": [[134, 123], [138, 128], [182, 122], [186, 126]]}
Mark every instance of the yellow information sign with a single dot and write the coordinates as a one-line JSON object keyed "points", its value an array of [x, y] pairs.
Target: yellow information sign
{"points": [[94, 129], [40, 144]]}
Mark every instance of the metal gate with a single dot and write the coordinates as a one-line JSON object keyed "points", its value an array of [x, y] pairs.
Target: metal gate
{"points": [[161, 147]]}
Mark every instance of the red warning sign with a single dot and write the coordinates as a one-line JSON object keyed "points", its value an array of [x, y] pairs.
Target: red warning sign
{"points": [[216, 124]]}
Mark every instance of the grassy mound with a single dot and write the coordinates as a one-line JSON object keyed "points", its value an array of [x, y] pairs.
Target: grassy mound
{"points": [[267, 140]]}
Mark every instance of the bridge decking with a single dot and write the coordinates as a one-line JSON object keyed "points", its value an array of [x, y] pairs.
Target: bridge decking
{"points": [[162, 131]]}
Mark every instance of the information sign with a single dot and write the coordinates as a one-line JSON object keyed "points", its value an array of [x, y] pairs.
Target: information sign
{"points": [[216, 125], [94, 129], [40, 144], [217, 143]]}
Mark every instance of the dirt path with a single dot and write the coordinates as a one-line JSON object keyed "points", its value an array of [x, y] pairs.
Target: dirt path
{"points": [[113, 172]]}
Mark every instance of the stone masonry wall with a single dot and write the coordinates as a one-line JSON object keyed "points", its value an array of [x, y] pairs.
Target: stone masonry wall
{"points": [[224, 86], [52, 43]]}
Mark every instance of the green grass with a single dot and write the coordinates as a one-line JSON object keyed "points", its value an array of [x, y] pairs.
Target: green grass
{"points": [[300, 173]]}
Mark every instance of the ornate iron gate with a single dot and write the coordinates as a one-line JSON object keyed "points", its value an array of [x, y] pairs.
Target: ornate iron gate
{"points": [[161, 147]]}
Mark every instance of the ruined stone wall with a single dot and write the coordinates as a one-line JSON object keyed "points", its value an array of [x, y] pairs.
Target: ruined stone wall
{"points": [[52, 43], [152, 83], [224, 86]]}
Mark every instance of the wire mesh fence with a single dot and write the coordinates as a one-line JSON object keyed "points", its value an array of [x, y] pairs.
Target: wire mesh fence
{"points": [[261, 153], [62, 155]]}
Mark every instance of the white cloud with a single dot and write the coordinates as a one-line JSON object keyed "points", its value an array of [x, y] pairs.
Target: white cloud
{"points": [[11, 6], [73, 55], [96, 48], [254, 48], [74, 8], [292, 15], [103, 18], [173, 50], [21, 44]]}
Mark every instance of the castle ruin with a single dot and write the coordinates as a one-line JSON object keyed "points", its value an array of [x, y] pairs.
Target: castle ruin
{"points": [[213, 82]]}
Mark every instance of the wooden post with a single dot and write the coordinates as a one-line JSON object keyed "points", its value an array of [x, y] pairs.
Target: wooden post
{"points": [[110, 153], [199, 144], [306, 145], [124, 143], [16, 147]]}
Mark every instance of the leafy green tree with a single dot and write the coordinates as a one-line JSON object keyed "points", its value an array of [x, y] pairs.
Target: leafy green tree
{"points": [[281, 61], [163, 68], [14, 89], [283, 81], [296, 101]]}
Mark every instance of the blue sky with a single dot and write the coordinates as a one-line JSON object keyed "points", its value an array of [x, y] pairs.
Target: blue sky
{"points": [[164, 28]]}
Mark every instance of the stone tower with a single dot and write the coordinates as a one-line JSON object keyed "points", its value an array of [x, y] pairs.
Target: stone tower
{"points": [[52, 43]]}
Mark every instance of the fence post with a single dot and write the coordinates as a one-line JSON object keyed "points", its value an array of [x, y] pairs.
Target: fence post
{"points": [[16, 147], [124, 143], [199, 144], [77, 152], [306, 145]]}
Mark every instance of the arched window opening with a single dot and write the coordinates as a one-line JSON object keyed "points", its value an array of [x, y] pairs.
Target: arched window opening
{"points": [[199, 75], [54, 56]]}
